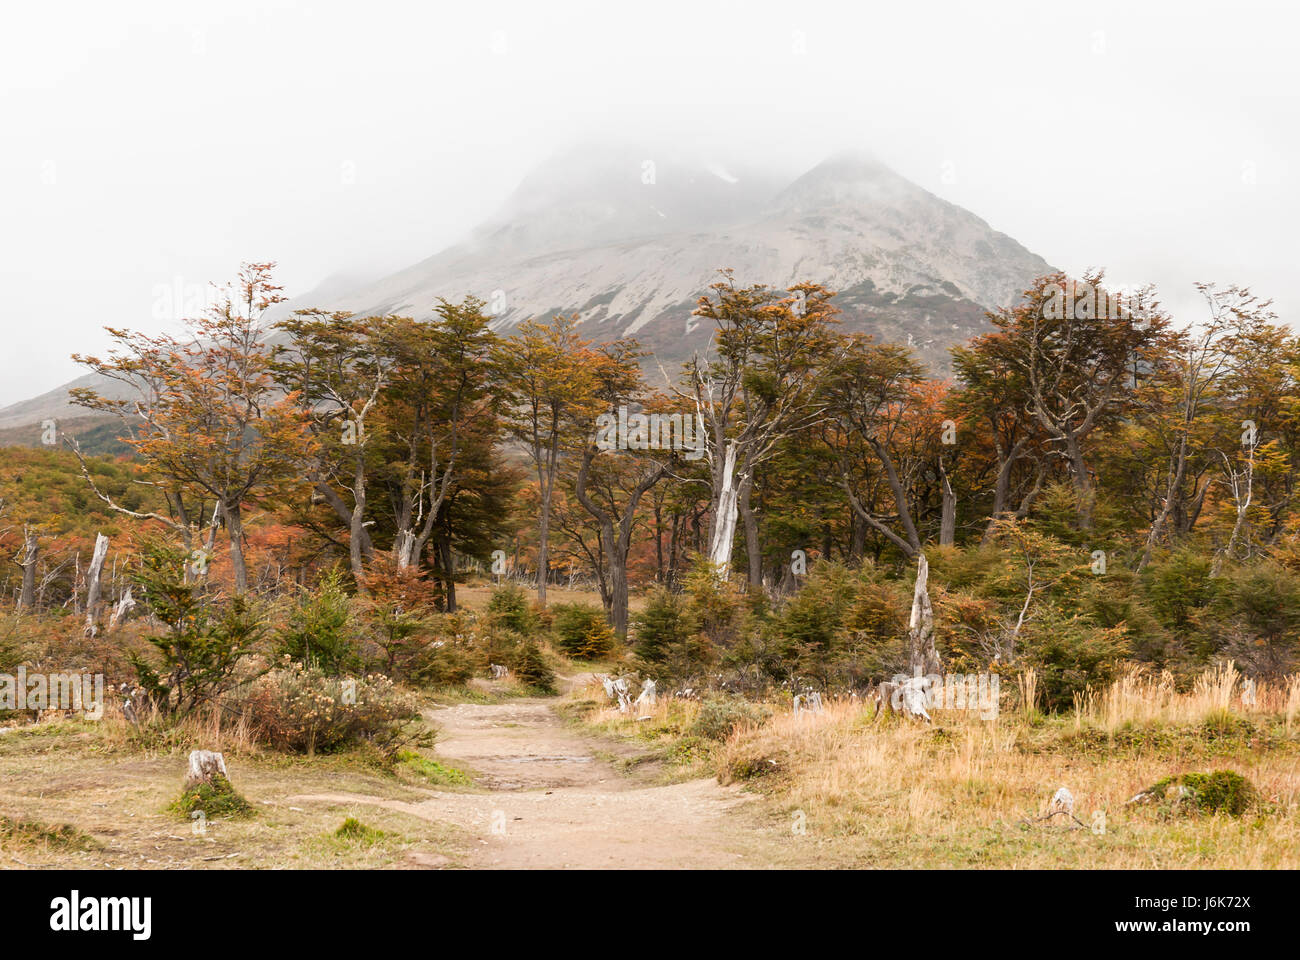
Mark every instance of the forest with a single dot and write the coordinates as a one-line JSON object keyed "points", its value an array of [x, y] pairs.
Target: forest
{"points": [[320, 527], [1096, 483]]}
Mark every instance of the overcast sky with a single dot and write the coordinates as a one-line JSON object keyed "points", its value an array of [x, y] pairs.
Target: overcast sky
{"points": [[156, 145]]}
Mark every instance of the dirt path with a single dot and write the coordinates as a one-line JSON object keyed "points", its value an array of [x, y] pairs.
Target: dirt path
{"points": [[554, 801]]}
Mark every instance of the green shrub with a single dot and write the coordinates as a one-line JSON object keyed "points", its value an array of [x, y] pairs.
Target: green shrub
{"points": [[353, 830], [204, 639], [319, 632], [509, 606], [662, 630], [1223, 791], [531, 668], [719, 716], [581, 631]]}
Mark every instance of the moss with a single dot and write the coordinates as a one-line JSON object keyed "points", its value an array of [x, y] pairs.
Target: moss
{"points": [[1220, 791], [430, 770], [215, 798], [353, 830], [65, 836]]}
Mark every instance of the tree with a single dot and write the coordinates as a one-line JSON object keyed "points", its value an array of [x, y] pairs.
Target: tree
{"points": [[334, 364], [868, 392], [549, 388], [207, 415], [758, 388], [610, 488], [203, 640], [444, 375], [1076, 352]]}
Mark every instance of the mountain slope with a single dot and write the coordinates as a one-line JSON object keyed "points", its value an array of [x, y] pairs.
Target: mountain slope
{"points": [[631, 257], [630, 245]]}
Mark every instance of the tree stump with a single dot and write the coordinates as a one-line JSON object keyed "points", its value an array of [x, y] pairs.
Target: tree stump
{"points": [[204, 765]]}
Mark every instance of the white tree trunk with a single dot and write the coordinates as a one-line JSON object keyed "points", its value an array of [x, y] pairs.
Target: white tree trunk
{"points": [[724, 523], [121, 610], [923, 656], [93, 583]]}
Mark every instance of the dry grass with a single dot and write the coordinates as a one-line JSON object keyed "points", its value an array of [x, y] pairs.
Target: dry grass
{"points": [[1142, 697], [966, 791], [114, 785]]}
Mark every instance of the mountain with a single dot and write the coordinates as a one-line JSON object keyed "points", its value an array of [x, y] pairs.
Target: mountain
{"points": [[591, 236], [630, 244]]}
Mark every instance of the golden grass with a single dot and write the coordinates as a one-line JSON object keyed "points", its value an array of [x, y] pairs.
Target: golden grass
{"points": [[968, 790]]}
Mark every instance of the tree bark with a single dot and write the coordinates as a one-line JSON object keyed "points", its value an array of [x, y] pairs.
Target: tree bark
{"points": [[923, 657], [753, 547], [948, 515], [31, 551], [1083, 488], [235, 530], [722, 530], [446, 561], [93, 583]]}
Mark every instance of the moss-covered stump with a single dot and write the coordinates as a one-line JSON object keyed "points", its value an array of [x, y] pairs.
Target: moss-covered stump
{"points": [[1221, 791], [208, 790]]}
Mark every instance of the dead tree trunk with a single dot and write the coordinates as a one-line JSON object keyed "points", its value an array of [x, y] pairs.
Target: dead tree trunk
{"points": [[93, 584], [923, 657], [31, 551], [948, 517]]}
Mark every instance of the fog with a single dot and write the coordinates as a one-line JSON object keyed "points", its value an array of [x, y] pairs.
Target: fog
{"points": [[153, 146]]}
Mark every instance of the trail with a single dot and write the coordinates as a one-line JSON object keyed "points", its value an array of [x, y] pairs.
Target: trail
{"points": [[555, 800]]}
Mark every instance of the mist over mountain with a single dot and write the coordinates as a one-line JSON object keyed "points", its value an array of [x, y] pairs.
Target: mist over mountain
{"points": [[630, 244], [629, 240]]}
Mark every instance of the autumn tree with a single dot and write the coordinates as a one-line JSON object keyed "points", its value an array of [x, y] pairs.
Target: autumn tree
{"points": [[209, 415], [1075, 351], [442, 385], [334, 364], [546, 371], [868, 391], [756, 387], [611, 480]]}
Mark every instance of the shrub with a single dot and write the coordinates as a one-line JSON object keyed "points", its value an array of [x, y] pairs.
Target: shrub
{"points": [[531, 668], [719, 716], [301, 710], [1070, 655], [718, 609], [1220, 791], [662, 630], [204, 641], [398, 613], [509, 607], [581, 631], [353, 830], [319, 630]]}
